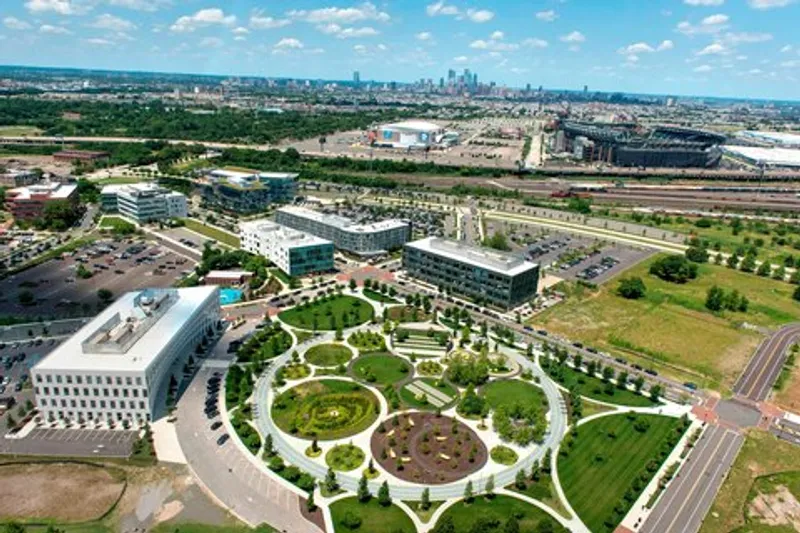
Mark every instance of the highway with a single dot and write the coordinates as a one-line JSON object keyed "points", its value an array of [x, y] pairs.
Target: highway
{"points": [[688, 498], [756, 381]]}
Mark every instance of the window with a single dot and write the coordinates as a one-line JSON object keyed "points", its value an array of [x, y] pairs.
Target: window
{"points": [[69, 379], [138, 380], [46, 391], [119, 380], [124, 393], [83, 404], [58, 378], [38, 378], [88, 380], [128, 381], [112, 404], [55, 391], [141, 405], [96, 392], [78, 380], [49, 378], [102, 404], [72, 404], [76, 391], [92, 404], [135, 393]]}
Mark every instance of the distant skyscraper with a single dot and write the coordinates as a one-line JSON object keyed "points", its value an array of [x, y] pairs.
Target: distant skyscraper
{"points": [[475, 80], [356, 77], [585, 89], [441, 83], [451, 77], [467, 77], [528, 88]]}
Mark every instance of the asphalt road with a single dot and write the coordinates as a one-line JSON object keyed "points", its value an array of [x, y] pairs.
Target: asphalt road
{"points": [[688, 498], [756, 381]]}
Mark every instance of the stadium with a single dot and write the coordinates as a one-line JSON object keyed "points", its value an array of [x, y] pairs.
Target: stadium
{"points": [[412, 134], [628, 145]]}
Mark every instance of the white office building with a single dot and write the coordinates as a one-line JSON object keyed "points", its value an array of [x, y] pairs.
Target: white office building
{"points": [[117, 368], [295, 252], [144, 202], [360, 239]]}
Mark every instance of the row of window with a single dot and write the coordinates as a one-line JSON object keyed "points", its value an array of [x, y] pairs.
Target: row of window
{"points": [[78, 379], [65, 391], [92, 404], [63, 415]]}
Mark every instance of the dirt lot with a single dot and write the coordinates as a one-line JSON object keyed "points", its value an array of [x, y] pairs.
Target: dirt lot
{"points": [[57, 492], [45, 162]]}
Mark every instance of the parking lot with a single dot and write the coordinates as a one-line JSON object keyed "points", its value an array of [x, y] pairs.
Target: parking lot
{"points": [[72, 442], [186, 237], [55, 289]]}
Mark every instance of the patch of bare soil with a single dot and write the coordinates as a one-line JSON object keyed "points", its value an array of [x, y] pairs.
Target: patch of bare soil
{"points": [[780, 508]]}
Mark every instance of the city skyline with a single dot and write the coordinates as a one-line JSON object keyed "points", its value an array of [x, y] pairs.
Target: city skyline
{"points": [[726, 48]]}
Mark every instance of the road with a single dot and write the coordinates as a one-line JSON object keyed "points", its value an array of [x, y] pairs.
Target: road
{"points": [[759, 376], [689, 496]]}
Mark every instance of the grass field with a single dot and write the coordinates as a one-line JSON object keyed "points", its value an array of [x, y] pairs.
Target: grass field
{"points": [[213, 233], [381, 369], [378, 297], [711, 349], [507, 392], [498, 510], [601, 468], [339, 310], [119, 180], [19, 131], [545, 491], [411, 401], [761, 457], [374, 518], [328, 355], [345, 457], [594, 388]]}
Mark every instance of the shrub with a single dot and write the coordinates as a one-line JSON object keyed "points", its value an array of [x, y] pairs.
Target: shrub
{"points": [[674, 269], [631, 288]]}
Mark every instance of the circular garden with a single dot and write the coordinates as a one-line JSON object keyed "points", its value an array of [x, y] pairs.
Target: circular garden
{"points": [[428, 449], [325, 409], [382, 369], [345, 457], [328, 354]]}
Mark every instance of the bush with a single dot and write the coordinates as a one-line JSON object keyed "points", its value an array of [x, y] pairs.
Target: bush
{"points": [[674, 269], [631, 288], [351, 520]]}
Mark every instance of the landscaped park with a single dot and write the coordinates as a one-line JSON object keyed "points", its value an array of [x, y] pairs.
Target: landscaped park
{"points": [[396, 418]]}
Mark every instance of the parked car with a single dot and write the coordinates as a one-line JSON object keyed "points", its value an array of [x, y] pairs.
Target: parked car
{"points": [[216, 425], [223, 439]]}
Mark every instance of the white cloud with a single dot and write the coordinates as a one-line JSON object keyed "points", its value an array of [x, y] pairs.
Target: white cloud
{"points": [[665, 45], [140, 5], [13, 23], [713, 49], [241, 30], [573, 37], [97, 41], [204, 17], [787, 48], [495, 46], [341, 15], [636, 48], [702, 68], [357, 33], [55, 30], [360, 49], [533, 42], [112, 23], [62, 7], [210, 42], [768, 4], [547, 16], [259, 21], [747, 37], [460, 59], [288, 43], [715, 20], [480, 15], [703, 2], [497, 35], [424, 36], [440, 8]]}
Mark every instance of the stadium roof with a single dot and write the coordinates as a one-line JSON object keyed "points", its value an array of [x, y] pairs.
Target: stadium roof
{"points": [[414, 125], [774, 157]]}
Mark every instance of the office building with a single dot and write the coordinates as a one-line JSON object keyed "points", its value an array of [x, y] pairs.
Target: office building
{"points": [[295, 252], [143, 202], [360, 239], [356, 77], [248, 192], [486, 276], [80, 156], [18, 178], [118, 367], [27, 203]]}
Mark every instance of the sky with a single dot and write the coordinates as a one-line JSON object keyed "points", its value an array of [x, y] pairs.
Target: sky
{"points": [[731, 48]]}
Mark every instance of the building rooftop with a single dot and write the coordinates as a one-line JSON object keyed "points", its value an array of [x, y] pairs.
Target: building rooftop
{"points": [[777, 157], [773, 137], [136, 189], [496, 261], [416, 125], [243, 178], [130, 334], [344, 222], [228, 274], [292, 237], [51, 191]]}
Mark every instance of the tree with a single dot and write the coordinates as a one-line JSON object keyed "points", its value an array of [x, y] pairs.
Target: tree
{"points": [[638, 384], [488, 489], [14, 527], [26, 297], [498, 241], [363, 490], [764, 270], [352, 284], [631, 288], [520, 482], [445, 525], [384, 498], [469, 492], [655, 392], [697, 254], [269, 451], [425, 500], [715, 298], [748, 263], [351, 520], [796, 294], [674, 269], [10, 422], [331, 483], [512, 526], [310, 504], [105, 295]]}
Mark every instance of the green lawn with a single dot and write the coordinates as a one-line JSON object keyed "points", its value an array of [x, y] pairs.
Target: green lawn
{"points": [[19, 131], [497, 511], [328, 313], [507, 392], [328, 355], [213, 233], [543, 490], [119, 180], [374, 517], [595, 388], [504, 455], [608, 459], [325, 409], [381, 298], [381, 369], [345, 457], [411, 401], [117, 225], [711, 349]]}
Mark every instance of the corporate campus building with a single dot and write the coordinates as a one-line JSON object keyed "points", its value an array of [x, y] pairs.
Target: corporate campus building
{"points": [[295, 252], [143, 202], [488, 276], [26, 203], [360, 239], [117, 368], [246, 192]]}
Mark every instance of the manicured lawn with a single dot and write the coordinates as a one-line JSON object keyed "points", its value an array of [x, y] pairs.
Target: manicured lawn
{"points": [[381, 369], [345, 457], [543, 490], [378, 297], [761, 455], [507, 392], [594, 387], [608, 458], [119, 180], [498, 510], [709, 345], [213, 233], [503, 455], [117, 225], [328, 313], [19, 131], [404, 313], [325, 409], [374, 517], [328, 355], [411, 401], [296, 371], [367, 341]]}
